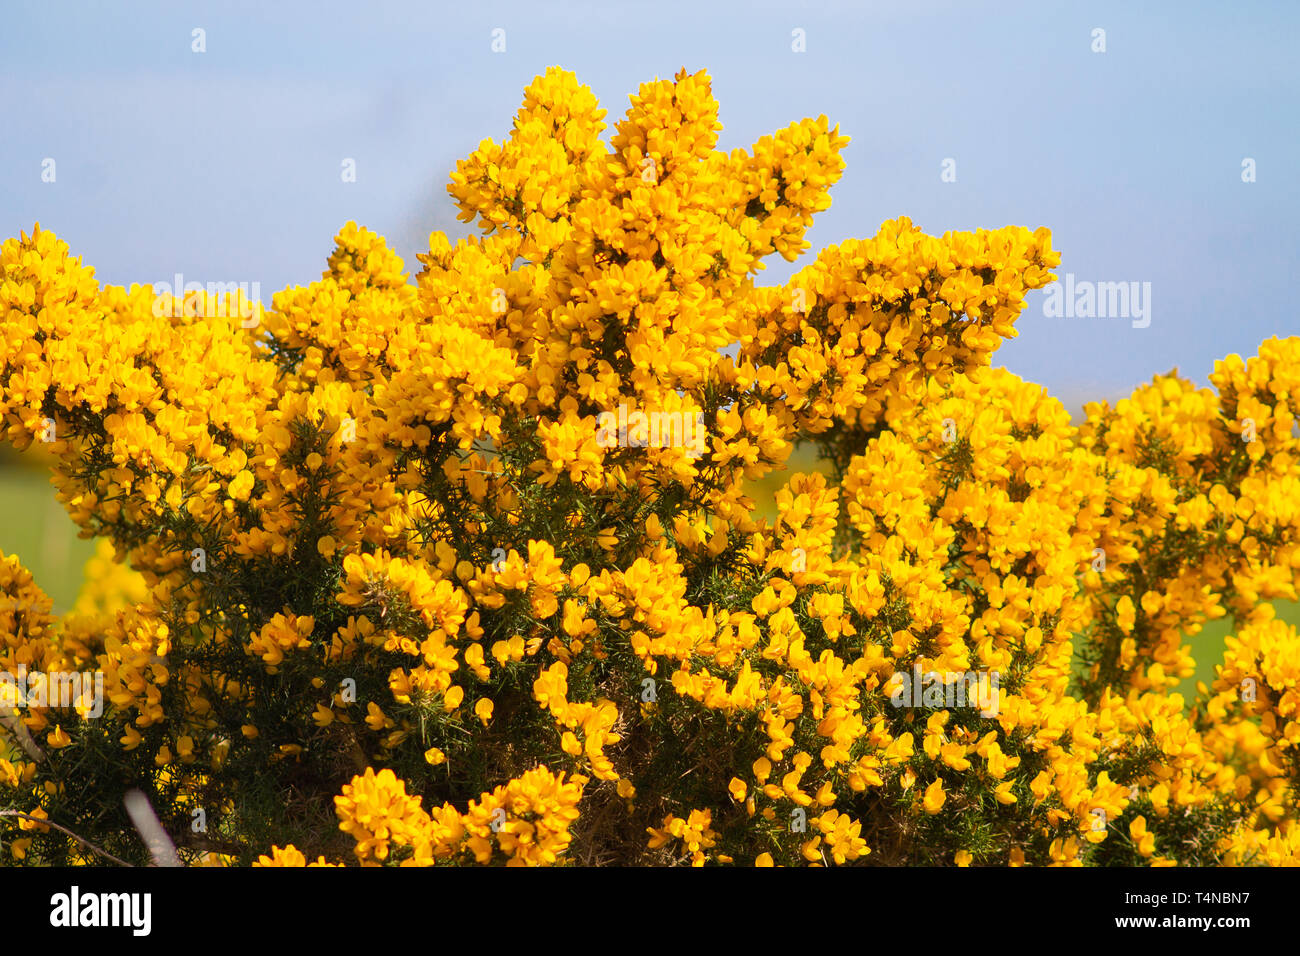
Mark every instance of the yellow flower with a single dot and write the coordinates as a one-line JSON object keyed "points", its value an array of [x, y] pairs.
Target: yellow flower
{"points": [[33, 824], [934, 797], [241, 485], [1143, 840], [1125, 614], [375, 718]]}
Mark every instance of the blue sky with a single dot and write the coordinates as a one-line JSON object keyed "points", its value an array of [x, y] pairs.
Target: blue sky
{"points": [[225, 165]]}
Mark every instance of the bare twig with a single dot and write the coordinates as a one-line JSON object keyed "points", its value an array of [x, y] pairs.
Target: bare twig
{"points": [[18, 730], [151, 831], [88, 845]]}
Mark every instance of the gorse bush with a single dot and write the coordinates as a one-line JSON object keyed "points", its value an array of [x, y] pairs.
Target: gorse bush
{"points": [[437, 573]]}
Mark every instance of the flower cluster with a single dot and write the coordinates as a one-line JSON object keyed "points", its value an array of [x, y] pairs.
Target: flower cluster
{"points": [[377, 584]]}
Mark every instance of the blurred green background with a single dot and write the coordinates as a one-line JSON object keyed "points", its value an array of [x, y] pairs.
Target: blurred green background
{"points": [[35, 527]]}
